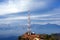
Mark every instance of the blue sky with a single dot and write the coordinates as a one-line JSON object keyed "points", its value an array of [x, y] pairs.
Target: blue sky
{"points": [[42, 11], [11, 10]]}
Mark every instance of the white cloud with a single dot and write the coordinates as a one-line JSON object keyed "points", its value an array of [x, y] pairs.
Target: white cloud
{"points": [[40, 23], [22, 5], [52, 17], [43, 17], [10, 20], [46, 18], [13, 6]]}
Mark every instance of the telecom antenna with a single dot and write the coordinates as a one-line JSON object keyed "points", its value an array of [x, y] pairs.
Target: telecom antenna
{"points": [[29, 24]]}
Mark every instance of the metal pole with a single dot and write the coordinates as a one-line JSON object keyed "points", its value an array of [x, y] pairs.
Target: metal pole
{"points": [[29, 25]]}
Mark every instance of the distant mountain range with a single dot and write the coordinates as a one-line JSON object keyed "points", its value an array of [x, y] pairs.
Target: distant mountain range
{"points": [[39, 29], [48, 28]]}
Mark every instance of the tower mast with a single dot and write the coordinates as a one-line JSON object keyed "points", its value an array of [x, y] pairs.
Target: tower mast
{"points": [[29, 23]]}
